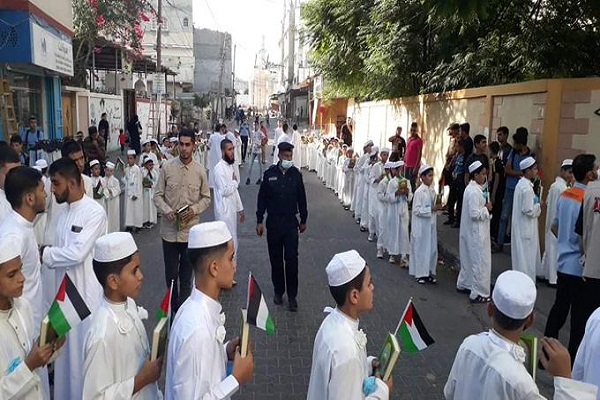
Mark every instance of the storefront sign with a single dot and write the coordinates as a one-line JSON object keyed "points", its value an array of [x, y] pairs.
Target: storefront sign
{"points": [[50, 51]]}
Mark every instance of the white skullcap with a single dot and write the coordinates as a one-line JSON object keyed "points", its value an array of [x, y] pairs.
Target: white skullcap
{"points": [[145, 142], [374, 150], [514, 294], [567, 163], [148, 159], [94, 162], [154, 140], [344, 267], [41, 163], [424, 168], [474, 166], [173, 139], [114, 247], [110, 165], [385, 150], [369, 143], [350, 149], [208, 234], [9, 249], [397, 164], [527, 163], [37, 168], [388, 165], [131, 152]]}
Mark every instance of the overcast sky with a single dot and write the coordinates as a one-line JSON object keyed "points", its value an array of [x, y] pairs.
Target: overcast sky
{"points": [[247, 21]]}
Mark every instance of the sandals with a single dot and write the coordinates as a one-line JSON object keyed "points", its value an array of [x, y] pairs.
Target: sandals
{"points": [[480, 300], [421, 281], [429, 279]]}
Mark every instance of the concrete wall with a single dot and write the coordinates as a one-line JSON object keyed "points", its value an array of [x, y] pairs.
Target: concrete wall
{"points": [[209, 47], [60, 10]]}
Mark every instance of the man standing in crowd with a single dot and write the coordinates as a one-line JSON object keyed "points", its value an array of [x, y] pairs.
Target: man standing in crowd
{"points": [[104, 130], [73, 150], [464, 132], [94, 145], [31, 137], [244, 135], [398, 145], [282, 197], [412, 160], [17, 144], [134, 128], [181, 196], [9, 159], [513, 173], [505, 147], [214, 149], [570, 285], [78, 227], [346, 133], [479, 153]]}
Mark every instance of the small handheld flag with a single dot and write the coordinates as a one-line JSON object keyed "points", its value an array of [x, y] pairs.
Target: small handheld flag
{"points": [[411, 332], [68, 308], [165, 305], [258, 313]]}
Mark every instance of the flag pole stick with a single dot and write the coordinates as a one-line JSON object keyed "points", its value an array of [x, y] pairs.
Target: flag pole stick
{"points": [[248, 294], [169, 312], [403, 315]]}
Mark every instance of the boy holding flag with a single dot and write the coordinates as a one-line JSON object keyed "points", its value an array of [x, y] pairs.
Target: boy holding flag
{"points": [[117, 364]]}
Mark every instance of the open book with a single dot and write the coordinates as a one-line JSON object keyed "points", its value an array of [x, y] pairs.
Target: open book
{"points": [[388, 356], [159, 339], [244, 335]]}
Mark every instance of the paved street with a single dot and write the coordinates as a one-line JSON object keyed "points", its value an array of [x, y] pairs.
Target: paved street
{"points": [[282, 362]]}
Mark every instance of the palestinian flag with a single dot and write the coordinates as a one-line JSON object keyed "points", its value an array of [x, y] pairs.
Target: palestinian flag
{"points": [[165, 305], [411, 331], [68, 308], [258, 313]]}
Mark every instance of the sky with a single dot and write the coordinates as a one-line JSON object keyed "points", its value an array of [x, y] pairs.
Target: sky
{"points": [[247, 21]]}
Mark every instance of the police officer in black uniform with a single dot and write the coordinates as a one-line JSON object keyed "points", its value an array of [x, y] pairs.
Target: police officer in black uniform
{"points": [[283, 197]]}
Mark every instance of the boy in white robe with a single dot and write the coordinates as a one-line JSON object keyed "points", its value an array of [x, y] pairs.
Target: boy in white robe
{"points": [[349, 177], [149, 181], [586, 367], [117, 353], [198, 355], [39, 225], [98, 183], [375, 176], [398, 195], [359, 181], [134, 208], [366, 170], [340, 364], [489, 365], [475, 243], [525, 242], [423, 244], [113, 203], [550, 259], [383, 212]]}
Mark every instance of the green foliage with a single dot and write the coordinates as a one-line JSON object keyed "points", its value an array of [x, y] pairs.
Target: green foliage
{"points": [[375, 49]]}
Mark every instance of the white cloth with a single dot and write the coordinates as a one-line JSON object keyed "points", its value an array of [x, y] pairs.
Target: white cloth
{"points": [[349, 182], [375, 173], [215, 154], [488, 366], [298, 147], [549, 263], [16, 228], [340, 363], [284, 137], [150, 214], [41, 220], [150, 155], [525, 243], [423, 244], [77, 228], [197, 359], [383, 214], [113, 204], [398, 217], [586, 367], [116, 347], [16, 331], [359, 181], [5, 207], [227, 198], [87, 185], [101, 190], [134, 209], [475, 243]]}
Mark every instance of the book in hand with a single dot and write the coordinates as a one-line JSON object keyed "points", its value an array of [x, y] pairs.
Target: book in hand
{"points": [[244, 335], [388, 356], [47, 333], [159, 339], [529, 343]]}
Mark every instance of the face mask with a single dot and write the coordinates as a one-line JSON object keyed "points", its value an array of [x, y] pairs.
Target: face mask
{"points": [[286, 164]]}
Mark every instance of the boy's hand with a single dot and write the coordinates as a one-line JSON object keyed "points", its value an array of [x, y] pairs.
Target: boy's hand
{"points": [[390, 383], [555, 358], [38, 356], [149, 373], [243, 367], [231, 348]]}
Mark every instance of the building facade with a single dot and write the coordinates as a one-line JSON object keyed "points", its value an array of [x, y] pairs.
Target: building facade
{"points": [[213, 62], [264, 82]]}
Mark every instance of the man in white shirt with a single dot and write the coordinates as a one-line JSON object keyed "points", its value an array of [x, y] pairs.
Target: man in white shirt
{"points": [[228, 204], [78, 226], [214, 150], [9, 159], [198, 354], [134, 207], [340, 364], [25, 192], [490, 365]]}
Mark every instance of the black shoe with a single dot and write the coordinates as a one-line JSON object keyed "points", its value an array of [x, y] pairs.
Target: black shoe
{"points": [[363, 229], [247, 181], [293, 305], [277, 300], [258, 182], [463, 291]]}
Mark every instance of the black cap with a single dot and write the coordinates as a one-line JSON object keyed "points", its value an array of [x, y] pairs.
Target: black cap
{"points": [[285, 146]]}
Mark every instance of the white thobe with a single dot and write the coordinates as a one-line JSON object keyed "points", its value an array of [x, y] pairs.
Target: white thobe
{"points": [[398, 217], [475, 243], [340, 363], [383, 214], [17, 381], [349, 181], [375, 173], [215, 154], [5, 207], [87, 186], [197, 357], [586, 367], [423, 244], [365, 217], [339, 170], [41, 220], [489, 366], [16, 228], [298, 150], [359, 180], [227, 198], [525, 243], [116, 348], [100, 191], [150, 214], [113, 204], [78, 227], [149, 155], [134, 209], [549, 263]]}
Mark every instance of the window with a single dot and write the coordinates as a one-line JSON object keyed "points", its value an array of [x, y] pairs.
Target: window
{"points": [[186, 22]]}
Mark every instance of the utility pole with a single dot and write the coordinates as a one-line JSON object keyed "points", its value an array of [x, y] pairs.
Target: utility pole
{"points": [[221, 73], [233, 78], [158, 63]]}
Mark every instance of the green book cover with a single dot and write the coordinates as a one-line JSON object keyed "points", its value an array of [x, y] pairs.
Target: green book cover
{"points": [[388, 356], [529, 343]]}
